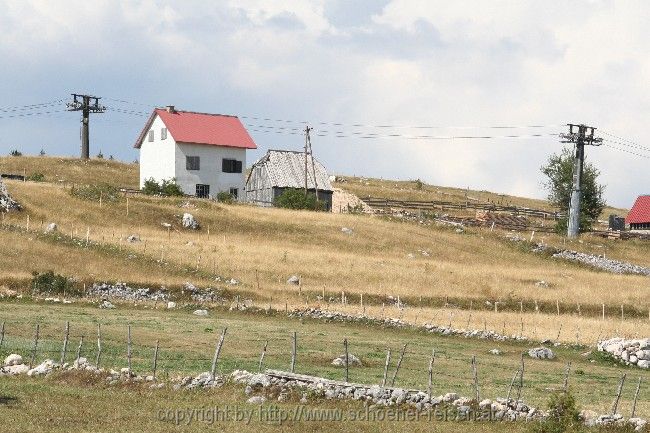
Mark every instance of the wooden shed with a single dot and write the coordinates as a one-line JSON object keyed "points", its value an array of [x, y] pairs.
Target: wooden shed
{"points": [[279, 170]]}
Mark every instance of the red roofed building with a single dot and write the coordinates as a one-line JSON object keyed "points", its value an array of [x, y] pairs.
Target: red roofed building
{"points": [[204, 153], [639, 216]]}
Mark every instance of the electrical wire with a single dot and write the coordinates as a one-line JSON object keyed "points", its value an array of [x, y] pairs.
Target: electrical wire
{"points": [[33, 114], [627, 151], [30, 107]]}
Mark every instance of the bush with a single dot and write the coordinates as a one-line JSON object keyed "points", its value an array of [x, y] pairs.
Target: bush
{"points": [[108, 193], [293, 198], [41, 153], [52, 283], [225, 197], [563, 415], [167, 188], [100, 155], [36, 177], [16, 152]]}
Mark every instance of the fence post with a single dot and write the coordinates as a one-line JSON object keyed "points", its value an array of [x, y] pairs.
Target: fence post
{"points": [[347, 360], [2, 333], [31, 361], [566, 376], [521, 378], [431, 361], [259, 367], [293, 352], [512, 383], [81, 343], [475, 375], [217, 351], [618, 394], [128, 347], [65, 342], [155, 359], [636, 395], [399, 364], [383, 382], [99, 345]]}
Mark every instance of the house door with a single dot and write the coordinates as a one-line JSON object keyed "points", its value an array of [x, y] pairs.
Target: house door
{"points": [[202, 191]]}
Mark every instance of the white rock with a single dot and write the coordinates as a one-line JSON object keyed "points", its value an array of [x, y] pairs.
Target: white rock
{"points": [[106, 305], [352, 360], [293, 280], [347, 231], [13, 359], [51, 228], [200, 312], [16, 369], [171, 305], [541, 353], [189, 222], [258, 399], [43, 368], [495, 352], [644, 363]]}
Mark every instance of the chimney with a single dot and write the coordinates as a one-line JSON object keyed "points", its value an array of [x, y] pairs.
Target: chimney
{"points": [[170, 109]]}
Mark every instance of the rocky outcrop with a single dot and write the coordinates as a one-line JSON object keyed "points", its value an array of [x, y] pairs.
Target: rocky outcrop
{"points": [[6, 202]]}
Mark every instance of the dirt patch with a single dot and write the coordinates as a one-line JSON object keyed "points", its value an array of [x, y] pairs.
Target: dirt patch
{"points": [[344, 202]]}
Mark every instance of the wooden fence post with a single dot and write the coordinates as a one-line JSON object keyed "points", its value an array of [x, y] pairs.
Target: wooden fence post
{"points": [[475, 375], [566, 376], [2, 333], [618, 394], [636, 395], [259, 367], [65, 342], [512, 383], [383, 382], [128, 347], [347, 361], [99, 345], [31, 362], [431, 361], [81, 343], [399, 364], [155, 359], [521, 378], [217, 351], [294, 348]]}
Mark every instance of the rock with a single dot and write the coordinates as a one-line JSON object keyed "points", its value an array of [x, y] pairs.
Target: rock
{"points": [[200, 312], [541, 353], [42, 369], [347, 231], [258, 399], [13, 359], [16, 369], [352, 360], [106, 305], [644, 363], [449, 397], [51, 228], [294, 280], [171, 305], [189, 222], [133, 239], [259, 380], [495, 352], [6, 202], [542, 284]]}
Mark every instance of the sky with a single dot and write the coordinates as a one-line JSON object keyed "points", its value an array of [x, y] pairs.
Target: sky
{"points": [[433, 71]]}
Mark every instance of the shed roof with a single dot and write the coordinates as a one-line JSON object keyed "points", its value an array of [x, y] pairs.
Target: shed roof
{"points": [[286, 169], [201, 128], [640, 212]]}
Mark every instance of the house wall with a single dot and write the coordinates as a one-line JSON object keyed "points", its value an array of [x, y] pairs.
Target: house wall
{"points": [[157, 157], [210, 172], [258, 187]]}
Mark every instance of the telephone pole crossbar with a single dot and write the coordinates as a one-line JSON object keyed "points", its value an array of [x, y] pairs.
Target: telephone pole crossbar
{"points": [[581, 136], [86, 104]]}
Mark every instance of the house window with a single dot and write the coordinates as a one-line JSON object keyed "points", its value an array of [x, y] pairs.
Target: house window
{"points": [[231, 166], [163, 133], [151, 135], [234, 192], [202, 191], [192, 163]]}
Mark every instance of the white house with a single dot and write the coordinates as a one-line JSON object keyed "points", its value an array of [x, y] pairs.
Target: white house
{"points": [[204, 153]]}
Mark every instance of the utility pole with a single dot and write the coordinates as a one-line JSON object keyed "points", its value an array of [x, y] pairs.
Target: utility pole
{"points": [[86, 104], [307, 145], [580, 135]]}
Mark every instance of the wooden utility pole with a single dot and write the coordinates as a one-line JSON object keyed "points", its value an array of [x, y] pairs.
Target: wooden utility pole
{"points": [[580, 135], [307, 129], [86, 104]]}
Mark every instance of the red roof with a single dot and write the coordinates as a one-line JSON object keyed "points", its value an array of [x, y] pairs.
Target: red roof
{"points": [[202, 128], [640, 212]]}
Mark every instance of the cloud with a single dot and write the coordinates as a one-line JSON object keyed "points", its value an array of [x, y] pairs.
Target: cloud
{"points": [[403, 62]]}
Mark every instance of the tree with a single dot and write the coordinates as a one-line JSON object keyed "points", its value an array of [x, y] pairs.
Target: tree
{"points": [[559, 183]]}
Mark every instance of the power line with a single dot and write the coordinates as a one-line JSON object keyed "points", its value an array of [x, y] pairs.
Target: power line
{"points": [[627, 151], [623, 143], [32, 114], [30, 106]]}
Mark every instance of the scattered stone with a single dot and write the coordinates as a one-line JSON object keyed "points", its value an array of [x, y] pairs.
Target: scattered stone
{"points": [[171, 305], [133, 239], [189, 222], [634, 352], [43, 368], [122, 291], [352, 360], [15, 370], [347, 231], [495, 352], [106, 305], [543, 284], [6, 202], [51, 228], [13, 359], [200, 312], [203, 295], [258, 399], [294, 280], [600, 262], [541, 353]]}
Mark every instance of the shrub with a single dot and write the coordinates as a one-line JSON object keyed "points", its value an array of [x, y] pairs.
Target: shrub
{"points": [[36, 177], [108, 193], [100, 155], [563, 415], [225, 197], [16, 152], [418, 184], [167, 188], [41, 153], [52, 283], [293, 198]]}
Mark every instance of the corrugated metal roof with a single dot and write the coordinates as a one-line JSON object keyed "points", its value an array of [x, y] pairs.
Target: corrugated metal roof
{"points": [[640, 212], [202, 128], [286, 169]]}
